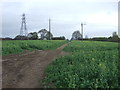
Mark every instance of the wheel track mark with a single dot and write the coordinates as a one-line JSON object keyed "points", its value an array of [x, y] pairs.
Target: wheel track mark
{"points": [[26, 70]]}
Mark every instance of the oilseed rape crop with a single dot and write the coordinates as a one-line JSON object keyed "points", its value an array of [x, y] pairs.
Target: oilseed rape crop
{"points": [[90, 64], [17, 46]]}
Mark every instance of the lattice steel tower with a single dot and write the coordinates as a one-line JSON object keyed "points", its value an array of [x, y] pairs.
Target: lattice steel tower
{"points": [[23, 30]]}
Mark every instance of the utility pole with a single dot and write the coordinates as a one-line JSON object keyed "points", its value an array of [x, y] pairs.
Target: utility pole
{"points": [[49, 28], [82, 29], [23, 30]]}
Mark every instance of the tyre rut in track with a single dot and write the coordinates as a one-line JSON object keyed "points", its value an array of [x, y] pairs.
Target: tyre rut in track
{"points": [[26, 70]]}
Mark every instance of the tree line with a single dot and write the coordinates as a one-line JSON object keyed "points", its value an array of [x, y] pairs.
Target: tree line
{"points": [[42, 34], [114, 38]]}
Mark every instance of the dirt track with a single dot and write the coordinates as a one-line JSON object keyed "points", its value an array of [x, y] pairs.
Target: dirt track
{"points": [[26, 70]]}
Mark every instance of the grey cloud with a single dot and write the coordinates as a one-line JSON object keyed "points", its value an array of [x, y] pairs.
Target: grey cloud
{"points": [[66, 17]]}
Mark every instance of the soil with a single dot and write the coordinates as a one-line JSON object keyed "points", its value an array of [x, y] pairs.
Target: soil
{"points": [[26, 70]]}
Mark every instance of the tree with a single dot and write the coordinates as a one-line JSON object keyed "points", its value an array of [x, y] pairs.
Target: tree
{"points": [[48, 35], [114, 34], [114, 37], [86, 37], [33, 35], [7, 38], [76, 35], [100, 38], [44, 34], [58, 38], [20, 37]]}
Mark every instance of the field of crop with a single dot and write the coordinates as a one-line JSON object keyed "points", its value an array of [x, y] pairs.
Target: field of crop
{"points": [[17, 46], [91, 64]]}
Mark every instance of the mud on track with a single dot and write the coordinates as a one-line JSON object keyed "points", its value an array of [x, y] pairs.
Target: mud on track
{"points": [[26, 70]]}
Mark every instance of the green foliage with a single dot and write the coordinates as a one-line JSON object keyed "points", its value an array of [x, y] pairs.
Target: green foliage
{"points": [[19, 37], [17, 46], [92, 64], [115, 38], [33, 36], [58, 38], [45, 35], [100, 39], [77, 46]]}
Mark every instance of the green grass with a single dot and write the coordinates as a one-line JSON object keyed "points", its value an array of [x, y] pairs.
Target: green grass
{"points": [[18, 46], [92, 64], [77, 46]]}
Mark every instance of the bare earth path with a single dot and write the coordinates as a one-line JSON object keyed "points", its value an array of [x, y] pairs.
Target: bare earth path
{"points": [[27, 70]]}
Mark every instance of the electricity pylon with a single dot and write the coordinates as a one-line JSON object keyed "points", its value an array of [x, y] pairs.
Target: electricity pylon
{"points": [[23, 30]]}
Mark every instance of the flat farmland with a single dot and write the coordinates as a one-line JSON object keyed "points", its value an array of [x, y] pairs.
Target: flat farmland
{"points": [[24, 61], [91, 64], [18, 46], [59, 64]]}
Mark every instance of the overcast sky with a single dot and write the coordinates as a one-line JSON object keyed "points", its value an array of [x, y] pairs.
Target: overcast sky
{"points": [[100, 16]]}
